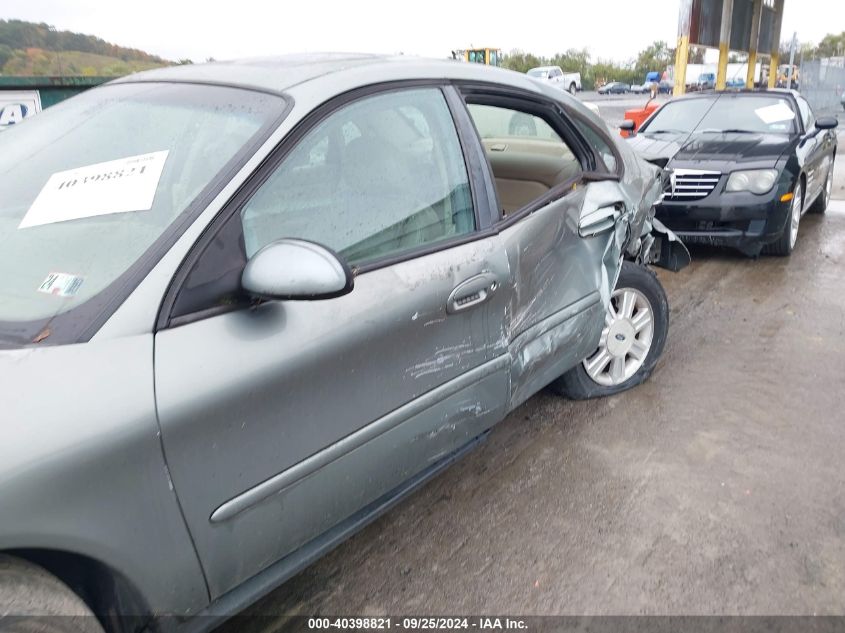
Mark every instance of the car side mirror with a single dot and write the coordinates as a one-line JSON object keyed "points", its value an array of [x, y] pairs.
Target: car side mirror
{"points": [[827, 123], [296, 269], [628, 126]]}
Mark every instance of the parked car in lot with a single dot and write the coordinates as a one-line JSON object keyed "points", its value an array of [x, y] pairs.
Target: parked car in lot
{"points": [[614, 88], [665, 87], [256, 303], [706, 81], [554, 75], [745, 166]]}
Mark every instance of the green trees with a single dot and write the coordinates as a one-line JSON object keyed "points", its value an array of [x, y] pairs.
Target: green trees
{"points": [[17, 34], [27, 48], [831, 45], [656, 57]]}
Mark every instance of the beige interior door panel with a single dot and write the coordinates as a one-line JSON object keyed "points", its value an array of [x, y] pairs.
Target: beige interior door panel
{"points": [[526, 169]]}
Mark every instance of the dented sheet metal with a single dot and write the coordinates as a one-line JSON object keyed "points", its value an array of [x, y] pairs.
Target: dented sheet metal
{"points": [[565, 260]]}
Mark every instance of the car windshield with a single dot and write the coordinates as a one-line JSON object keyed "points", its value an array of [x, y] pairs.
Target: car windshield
{"points": [[725, 113], [538, 72], [89, 185]]}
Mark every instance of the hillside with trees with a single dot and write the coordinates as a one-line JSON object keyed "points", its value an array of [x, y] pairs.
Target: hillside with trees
{"points": [[27, 48]]}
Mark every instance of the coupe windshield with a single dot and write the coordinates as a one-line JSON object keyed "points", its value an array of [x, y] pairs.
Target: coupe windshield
{"points": [[88, 186], [765, 114]]}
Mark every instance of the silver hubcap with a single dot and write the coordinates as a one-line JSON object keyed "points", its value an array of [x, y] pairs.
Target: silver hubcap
{"points": [[625, 339], [828, 186], [797, 201]]}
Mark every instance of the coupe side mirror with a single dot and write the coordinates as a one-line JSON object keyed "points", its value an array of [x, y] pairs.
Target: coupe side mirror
{"points": [[296, 269], [628, 128], [827, 123]]}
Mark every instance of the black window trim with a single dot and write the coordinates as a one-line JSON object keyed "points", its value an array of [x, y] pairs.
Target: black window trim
{"points": [[277, 156], [556, 116]]}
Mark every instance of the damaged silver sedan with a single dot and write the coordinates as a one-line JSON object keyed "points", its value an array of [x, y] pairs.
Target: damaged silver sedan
{"points": [[248, 306]]}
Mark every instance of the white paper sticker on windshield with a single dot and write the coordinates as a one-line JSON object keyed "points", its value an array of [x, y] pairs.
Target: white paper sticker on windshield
{"points": [[775, 113], [117, 186], [60, 285]]}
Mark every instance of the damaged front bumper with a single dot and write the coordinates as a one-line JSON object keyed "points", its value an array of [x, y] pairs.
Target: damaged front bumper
{"points": [[658, 245]]}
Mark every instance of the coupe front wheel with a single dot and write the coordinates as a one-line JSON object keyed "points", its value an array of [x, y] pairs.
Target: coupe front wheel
{"points": [[785, 244], [821, 203], [635, 328]]}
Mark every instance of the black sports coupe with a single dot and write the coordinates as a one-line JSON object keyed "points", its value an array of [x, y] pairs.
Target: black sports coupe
{"points": [[744, 166]]}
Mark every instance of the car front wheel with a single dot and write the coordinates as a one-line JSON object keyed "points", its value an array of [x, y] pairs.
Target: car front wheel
{"points": [[820, 205], [635, 329], [35, 600], [784, 245]]}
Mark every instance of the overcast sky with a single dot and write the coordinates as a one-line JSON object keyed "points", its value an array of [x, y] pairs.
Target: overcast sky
{"points": [[194, 29]]}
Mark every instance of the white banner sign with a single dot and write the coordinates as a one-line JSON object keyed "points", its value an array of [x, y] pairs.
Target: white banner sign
{"points": [[117, 186], [17, 105]]}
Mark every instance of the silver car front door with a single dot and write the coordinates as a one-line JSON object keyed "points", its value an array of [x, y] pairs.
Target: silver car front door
{"points": [[281, 420]]}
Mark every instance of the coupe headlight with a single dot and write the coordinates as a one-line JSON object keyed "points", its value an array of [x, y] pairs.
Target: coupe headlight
{"points": [[753, 180]]}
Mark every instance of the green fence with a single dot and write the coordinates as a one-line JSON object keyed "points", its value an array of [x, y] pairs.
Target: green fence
{"points": [[52, 89]]}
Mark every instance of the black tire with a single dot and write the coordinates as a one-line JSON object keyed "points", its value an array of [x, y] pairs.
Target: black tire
{"points": [[31, 597], [573, 89], [820, 203], [576, 384], [783, 246]]}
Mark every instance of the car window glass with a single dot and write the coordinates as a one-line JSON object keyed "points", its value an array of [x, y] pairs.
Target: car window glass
{"points": [[599, 145], [806, 114], [743, 113], [527, 156], [99, 150], [389, 176]]}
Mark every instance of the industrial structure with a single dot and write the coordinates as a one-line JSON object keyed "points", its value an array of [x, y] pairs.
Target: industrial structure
{"points": [[748, 26]]}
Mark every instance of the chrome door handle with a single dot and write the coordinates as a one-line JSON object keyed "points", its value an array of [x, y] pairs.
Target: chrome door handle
{"points": [[472, 292]]}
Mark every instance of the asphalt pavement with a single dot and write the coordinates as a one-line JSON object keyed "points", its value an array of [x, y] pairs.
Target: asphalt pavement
{"points": [[716, 487]]}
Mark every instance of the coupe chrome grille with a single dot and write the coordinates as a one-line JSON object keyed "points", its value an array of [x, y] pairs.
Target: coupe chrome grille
{"points": [[690, 184]]}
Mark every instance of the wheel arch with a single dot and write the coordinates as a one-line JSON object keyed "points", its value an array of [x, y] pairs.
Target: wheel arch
{"points": [[118, 604]]}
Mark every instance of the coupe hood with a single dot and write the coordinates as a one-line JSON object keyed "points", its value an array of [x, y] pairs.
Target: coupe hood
{"points": [[730, 147]]}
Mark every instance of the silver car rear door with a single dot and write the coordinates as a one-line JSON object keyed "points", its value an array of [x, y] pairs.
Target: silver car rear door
{"points": [[564, 245]]}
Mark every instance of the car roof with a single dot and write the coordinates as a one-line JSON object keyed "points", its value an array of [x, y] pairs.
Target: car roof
{"points": [[744, 92], [280, 74]]}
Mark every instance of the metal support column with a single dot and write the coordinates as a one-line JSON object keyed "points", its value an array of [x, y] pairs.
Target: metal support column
{"points": [[756, 16], [724, 43], [774, 61], [682, 49]]}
